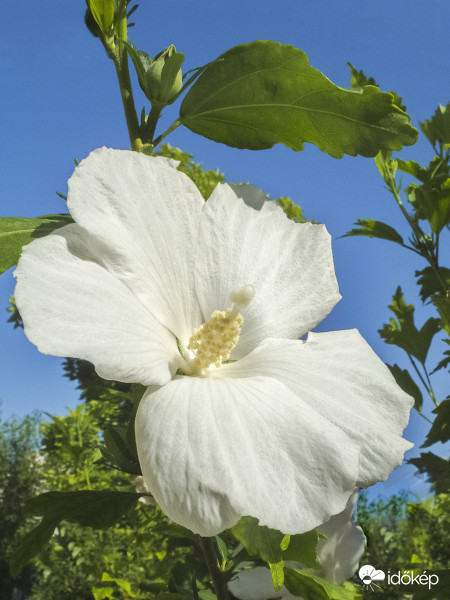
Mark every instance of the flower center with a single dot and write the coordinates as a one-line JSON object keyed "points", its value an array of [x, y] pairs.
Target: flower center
{"points": [[213, 341]]}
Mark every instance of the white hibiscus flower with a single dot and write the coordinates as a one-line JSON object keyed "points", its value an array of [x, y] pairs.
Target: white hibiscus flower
{"points": [[155, 286], [338, 554]]}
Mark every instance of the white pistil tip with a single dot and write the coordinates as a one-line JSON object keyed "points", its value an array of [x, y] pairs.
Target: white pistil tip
{"points": [[242, 296]]}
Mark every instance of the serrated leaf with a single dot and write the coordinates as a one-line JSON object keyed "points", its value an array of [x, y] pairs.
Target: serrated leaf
{"points": [[436, 468], [87, 508], [442, 303], [291, 210], [259, 540], [375, 229], [429, 282], [408, 385], [359, 80], [412, 168], [264, 93], [16, 232], [277, 572], [307, 585], [445, 361], [437, 129], [440, 430], [403, 332]]}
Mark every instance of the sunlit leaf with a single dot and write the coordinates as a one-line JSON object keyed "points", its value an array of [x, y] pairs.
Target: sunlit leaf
{"points": [[375, 229], [307, 585], [16, 232], [437, 129], [263, 93]]}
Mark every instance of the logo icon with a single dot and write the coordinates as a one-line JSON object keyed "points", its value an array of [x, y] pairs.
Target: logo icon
{"points": [[369, 575]]}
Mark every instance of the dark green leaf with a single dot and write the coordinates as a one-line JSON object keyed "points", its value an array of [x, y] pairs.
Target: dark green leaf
{"points": [[436, 468], [118, 452], [431, 204], [31, 545], [403, 332], [307, 585], [263, 93], [440, 430], [442, 303], [377, 229], [408, 385], [16, 232], [87, 508], [438, 128], [445, 361], [429, 282]]}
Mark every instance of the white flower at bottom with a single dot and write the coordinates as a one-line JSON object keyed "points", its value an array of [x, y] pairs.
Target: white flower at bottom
{"points": [[338, 554], [155, 286]]}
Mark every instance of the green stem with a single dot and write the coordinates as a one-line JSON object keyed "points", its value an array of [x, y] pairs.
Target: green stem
{"points": [[427, 387], [218, 577], [152, 120], [159, 139], [119, 56]]}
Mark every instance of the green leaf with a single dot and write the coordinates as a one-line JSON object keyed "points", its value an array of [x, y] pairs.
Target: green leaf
{"points": [[377, 229], [118, 452], [277, 572], [408, 385], [438, 128], [445, 361], [429, 282], [273, 546], [359, 80], [440, 430], [436, 468], [303, 549], [291, 210], [442, 303], [431, 204], [87, 508], [103, 13], [307, 585], [16, 232], [403, 332], [263, 93], [259, 540], [412, 168]]}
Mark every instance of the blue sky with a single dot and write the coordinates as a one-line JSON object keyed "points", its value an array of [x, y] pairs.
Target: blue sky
{"points": [[60, 100]]}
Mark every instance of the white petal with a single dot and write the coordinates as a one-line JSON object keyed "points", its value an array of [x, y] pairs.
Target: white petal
{"points": [[256, 584], [289, 264], [143, 215], [340, 376], [253, 196], [339, 554], [72, 306], [212, 451]]}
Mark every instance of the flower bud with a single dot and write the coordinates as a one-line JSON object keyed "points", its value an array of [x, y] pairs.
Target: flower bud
{"points": [[163, 78]]}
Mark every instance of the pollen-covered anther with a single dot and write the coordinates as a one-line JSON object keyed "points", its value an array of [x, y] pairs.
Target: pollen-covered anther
{"points": [[213, 341]]}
